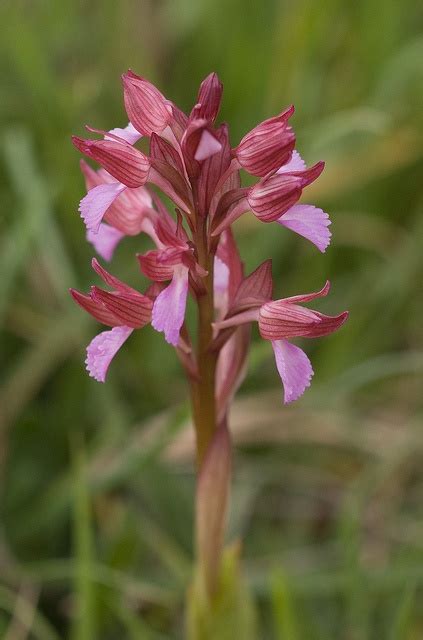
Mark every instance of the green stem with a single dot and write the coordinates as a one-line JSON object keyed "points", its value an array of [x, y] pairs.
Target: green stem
{"points": [[203, 390]]}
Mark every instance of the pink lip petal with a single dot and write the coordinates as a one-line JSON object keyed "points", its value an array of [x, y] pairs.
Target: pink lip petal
{"points": [[294, 368], [169, 307], [105, 240], [310, 222], [128, 133], [296, 163], [94, 205], [102, 349]]}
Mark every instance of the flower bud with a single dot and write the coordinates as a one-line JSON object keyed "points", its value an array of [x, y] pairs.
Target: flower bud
{"points": [[146, 107], [268, 146], [208, 99]]}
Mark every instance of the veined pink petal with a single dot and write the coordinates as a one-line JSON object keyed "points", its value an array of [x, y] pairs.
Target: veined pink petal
{"points": [[254, 290], [169, 307], [128, 133], [231, 206], [212, 173], [326, 324], [307, 297], [95, 204], [296, 163], [125, 163], [283, 319], [111, 280], [132, 309], [208, 146], [267, 146], [102, 349], [161, 149], [208, 99], [310, 222], [95, 308], [146, 107], [279, 319], [273, 195], [294, 368], [154, 268], [105, 240]]}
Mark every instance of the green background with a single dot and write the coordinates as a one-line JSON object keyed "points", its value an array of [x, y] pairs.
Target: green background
{"points": [[96, 481]]}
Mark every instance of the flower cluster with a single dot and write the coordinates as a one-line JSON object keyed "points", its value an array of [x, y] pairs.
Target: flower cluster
{"points": [[191, 161]]}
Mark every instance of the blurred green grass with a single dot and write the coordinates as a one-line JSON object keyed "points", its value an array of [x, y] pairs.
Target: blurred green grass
{"points": [[96, 492]]}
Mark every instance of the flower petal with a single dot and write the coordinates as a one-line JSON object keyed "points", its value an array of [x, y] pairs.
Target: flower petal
{"points": [[310, 222], [208, 99], [154, 268], [95, 204], [146, 107], [102, 349], [279, 319], [255, 290], [128, 133], [132, 309], [125, 163], [105, 240], [267, 146], [296, 163], [294, 368], [95, 308], [169, 307], [273, 195]]}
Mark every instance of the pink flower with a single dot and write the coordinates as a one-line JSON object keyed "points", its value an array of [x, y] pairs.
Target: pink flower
{"points": [[169, 307], [124, 309], [306, 220], [190, 161], [129, 211], [280, 320], [173, 260], [274, 199]]}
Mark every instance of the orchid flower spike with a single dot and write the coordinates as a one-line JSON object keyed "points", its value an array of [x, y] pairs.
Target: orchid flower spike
{"points": [[191, 162]]}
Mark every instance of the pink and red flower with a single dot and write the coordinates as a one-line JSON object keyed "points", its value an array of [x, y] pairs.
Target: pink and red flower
{"points": [[191, 161]]}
